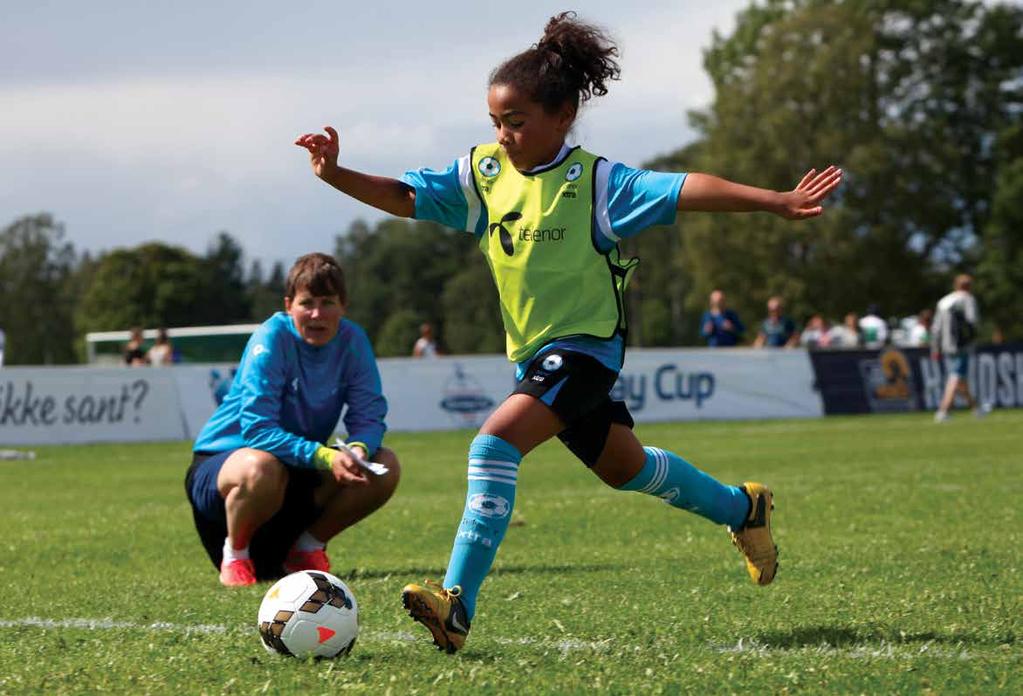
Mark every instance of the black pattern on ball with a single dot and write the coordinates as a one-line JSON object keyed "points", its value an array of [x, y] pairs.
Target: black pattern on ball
{"points": [[270, 632]]}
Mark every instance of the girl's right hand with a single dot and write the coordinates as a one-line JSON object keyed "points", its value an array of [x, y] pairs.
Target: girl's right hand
{"points": [[323, 150]]}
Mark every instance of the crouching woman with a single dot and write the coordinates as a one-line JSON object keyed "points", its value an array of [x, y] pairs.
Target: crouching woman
{"points": [[267, 492]]}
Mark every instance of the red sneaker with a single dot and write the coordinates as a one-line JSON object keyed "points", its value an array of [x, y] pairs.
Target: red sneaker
{"points": [[307, 560], [238, 573]]}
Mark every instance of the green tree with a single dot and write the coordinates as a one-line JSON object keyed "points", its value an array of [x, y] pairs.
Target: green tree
{"points": [[906, 96], [228, 301], [1000, 269], [399, 266], [36, 272], [264, 296], [150, 285], [472, 314], [398, 333]]}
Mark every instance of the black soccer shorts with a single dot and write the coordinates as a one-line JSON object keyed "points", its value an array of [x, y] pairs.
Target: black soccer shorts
{"points": [[272, 541], [577, 388]]}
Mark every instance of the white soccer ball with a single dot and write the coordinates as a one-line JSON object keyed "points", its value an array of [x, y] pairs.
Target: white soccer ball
{"points": [[309, 613]]}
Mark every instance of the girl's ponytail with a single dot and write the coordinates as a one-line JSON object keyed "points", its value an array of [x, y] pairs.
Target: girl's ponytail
{"points": [[571, 63]]}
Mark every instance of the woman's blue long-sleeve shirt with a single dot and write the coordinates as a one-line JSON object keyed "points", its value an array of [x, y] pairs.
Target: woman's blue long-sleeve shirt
{"points": [[287, 395]]}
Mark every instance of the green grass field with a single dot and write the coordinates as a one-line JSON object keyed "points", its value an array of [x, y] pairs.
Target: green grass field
{"points": [[900, 572]]}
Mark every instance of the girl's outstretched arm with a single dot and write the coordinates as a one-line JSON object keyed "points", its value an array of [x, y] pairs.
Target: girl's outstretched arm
{"points": [[703, 192], [381, 192]]}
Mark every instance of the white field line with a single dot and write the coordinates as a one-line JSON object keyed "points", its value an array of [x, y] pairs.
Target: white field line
{"points": [[110, 624], [566, 645], [880, 651]]}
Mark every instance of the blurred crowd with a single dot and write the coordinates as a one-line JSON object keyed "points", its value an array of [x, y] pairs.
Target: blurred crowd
{"points": [[159, 354], [721, 326]]}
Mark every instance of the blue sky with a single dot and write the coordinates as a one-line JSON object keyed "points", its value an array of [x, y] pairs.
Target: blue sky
{"points": [[138, 121]]}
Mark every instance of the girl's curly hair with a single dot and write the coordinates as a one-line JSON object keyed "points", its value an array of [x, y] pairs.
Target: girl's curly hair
{"points": [[571, 63]]}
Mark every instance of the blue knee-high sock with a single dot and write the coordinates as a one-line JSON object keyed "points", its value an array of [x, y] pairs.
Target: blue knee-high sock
{"points": [[682, 485], [493, 470]]}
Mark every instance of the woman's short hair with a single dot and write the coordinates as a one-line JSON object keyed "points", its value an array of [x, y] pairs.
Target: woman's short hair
{"points": [[319, 274]]}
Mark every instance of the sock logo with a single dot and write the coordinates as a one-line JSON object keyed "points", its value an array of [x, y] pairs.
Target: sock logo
{"points": [[502, 232], [670, 496], [489, 505]]}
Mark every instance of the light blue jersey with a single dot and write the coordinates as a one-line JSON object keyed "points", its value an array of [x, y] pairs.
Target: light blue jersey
{"points": [[627, 202], [287, 395]]}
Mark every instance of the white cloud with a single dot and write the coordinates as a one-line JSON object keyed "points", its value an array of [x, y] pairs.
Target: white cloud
{"points": [[122, 157]]}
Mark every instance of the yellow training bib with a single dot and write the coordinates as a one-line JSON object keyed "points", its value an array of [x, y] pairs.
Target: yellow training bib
{"points": [[552, 280]]}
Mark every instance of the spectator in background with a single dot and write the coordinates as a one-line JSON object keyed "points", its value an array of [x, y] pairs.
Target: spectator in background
{"points": [[425, 346], [953, 336], [134, 356], [162, 352], [873, 329], [920, 333], [777, 330], [3, 340], [816, 333], [719, 325], [846, 334]]}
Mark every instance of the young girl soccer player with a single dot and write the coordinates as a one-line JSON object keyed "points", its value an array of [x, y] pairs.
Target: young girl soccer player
{"points": [[548, 218]]}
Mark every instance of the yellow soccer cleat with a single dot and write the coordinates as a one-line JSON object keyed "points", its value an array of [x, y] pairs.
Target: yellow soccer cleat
{"points": [[441, 611], [754, 537]]}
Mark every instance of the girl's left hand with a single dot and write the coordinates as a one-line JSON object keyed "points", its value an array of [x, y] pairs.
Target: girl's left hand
{"points": [[804, 201]]}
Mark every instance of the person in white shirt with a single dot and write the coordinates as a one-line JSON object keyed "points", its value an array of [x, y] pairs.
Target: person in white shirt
{"points": [[953, 335], [425, 346], [162, 352], [816, 334], [920, 333], [873, 329], [846, 334]]}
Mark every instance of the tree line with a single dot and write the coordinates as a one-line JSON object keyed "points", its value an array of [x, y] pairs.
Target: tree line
{"points": [[919, 102]]}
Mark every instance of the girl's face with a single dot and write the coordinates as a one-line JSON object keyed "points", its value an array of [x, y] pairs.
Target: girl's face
{"points": [[527, 133], [316, 317]]}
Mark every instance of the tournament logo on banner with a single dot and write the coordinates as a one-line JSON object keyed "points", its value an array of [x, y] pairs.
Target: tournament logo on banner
{"points": [[888, 382], [465, 399], [866, 381]]}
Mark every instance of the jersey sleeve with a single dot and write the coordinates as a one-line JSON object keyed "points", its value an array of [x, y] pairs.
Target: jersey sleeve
{"points": [[366, 405], [970, 309], [448, 197], [635, 200], [703, 325], [263, 377]]}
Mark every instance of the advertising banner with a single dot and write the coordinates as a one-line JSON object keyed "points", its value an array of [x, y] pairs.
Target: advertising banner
{"points": [[436, 394], [717, 384], [77, 405], [65, 405], [907, 379], [657, 385]]}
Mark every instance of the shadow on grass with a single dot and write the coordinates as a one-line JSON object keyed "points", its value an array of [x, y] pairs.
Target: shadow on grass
{"points": [[844, 636], [436, 572]]}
